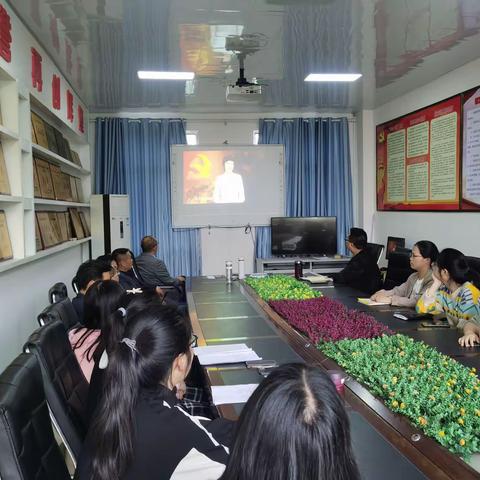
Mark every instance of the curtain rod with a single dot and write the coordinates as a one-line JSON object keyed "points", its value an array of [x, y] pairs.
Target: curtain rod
{"points": [[138, 120]]}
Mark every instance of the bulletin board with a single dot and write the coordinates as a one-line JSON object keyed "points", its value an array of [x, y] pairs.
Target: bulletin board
{"points": [[418, 159], [471, 151]]}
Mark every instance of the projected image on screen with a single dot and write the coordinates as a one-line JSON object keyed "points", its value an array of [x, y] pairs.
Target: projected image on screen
{"points": [[226, 185], [213, 177]]}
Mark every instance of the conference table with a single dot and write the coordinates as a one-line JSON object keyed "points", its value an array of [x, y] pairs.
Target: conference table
{"points": [[386, 445]]}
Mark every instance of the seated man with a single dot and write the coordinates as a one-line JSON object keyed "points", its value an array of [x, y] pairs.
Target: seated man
{"points": [[362, 272], [152, 269], [87, 274], [155, 272], [128, 278]]}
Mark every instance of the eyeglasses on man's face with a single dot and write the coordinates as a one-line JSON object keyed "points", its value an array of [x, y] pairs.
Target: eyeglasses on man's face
{"points": [[194, 341], [415, 256]]}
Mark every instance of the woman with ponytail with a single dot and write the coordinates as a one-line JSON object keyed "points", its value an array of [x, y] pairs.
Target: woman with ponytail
{"points": [[139, 431], [101, 300], [459, 296]]}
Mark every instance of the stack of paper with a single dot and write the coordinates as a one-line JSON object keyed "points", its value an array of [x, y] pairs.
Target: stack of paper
{"points": [[371, 303], [317, 278], [232, 393], [217, 354]]}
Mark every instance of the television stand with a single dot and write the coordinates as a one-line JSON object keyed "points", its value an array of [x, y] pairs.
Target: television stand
{"points": [[323, 265]]}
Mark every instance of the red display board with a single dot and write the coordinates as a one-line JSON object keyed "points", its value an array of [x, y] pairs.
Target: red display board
{"points": [[418, 159]]}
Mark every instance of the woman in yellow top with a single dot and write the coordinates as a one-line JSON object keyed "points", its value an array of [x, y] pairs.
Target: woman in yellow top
{"points": [[458, 297]]}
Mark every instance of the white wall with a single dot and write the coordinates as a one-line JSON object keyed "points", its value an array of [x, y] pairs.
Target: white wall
{"points": [[451, 229], [24, 294], [24, 289]]}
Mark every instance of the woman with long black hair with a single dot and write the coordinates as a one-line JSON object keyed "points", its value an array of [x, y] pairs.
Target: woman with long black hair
{"points": [[459, 296], [98, 331], [293, 427], [139, 431]]}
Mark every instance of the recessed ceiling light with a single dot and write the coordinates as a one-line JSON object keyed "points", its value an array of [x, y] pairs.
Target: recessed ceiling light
{"points": [[155, 75], [332, 77]]}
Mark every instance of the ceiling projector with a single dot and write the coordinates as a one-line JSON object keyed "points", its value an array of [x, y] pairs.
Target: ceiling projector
{"points": [[244, 93]]}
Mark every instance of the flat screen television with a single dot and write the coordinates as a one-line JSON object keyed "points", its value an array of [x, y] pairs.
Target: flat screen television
{"points": [[304, 235]]}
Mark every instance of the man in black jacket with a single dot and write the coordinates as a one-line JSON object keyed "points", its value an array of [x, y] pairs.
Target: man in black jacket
{"points": [[362, 272]]}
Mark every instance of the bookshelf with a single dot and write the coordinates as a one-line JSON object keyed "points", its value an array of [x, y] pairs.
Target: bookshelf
{"points": [[19, 152]]}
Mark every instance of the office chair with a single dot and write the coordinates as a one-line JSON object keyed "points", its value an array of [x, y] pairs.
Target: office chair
{"points": [[398, 269], [66, 388], [57, 292], [28, 449], [63, 311], [375, 250]]}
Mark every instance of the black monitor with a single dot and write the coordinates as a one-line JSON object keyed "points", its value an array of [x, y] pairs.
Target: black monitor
{"points": [[393, 243], [304, 235]]}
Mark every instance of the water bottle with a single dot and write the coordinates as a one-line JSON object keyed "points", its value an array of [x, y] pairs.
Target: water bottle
{"points": [[298, 269], [241, 268], [228, 271]]}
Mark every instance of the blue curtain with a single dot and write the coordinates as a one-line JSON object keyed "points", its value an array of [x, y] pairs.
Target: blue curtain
{"points": [[133, 157], [317, 172]]}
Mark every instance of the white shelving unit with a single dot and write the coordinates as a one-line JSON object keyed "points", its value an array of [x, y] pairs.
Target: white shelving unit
{"points": [[16, 103]]}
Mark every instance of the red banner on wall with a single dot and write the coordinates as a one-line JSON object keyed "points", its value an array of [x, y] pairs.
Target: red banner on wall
{"points": [[37, 81], [81, 125], [5, 35], [70, 105], [56, 102]]}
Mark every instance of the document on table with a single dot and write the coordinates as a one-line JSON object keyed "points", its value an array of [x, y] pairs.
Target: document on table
{"points": [[232, 393], [217, 354], [371, 303]]}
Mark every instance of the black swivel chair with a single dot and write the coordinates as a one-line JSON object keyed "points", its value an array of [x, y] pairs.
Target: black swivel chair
{"points": [[57, 292], [28, 449], [65, 386], [376, 250], [398, 269], [474, 263], [62, 311]]}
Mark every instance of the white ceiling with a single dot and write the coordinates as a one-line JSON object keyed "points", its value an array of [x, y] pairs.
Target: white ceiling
{"points": [[397, 45]]}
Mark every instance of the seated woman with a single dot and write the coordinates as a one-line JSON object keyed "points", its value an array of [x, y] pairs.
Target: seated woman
{"points": [[140, 432], [459, 295], [424, 254], [101, 300], [312, 440]]}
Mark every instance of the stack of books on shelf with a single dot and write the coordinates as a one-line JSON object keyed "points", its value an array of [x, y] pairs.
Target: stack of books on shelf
{"points": [[4, 183], [49, 137], [5, 243], [51, 183], [54, 228]]}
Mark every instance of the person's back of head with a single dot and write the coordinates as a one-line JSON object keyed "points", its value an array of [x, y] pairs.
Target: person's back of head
{"points": [[358, 237], [106, 258], [311, 440], [427, 249], [456, 264], [148, 244], [119, 252], [124, 259], [155, 337], [89, 272], [101, 300]]}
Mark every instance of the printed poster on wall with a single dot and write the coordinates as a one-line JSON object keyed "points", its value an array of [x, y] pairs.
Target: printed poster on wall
{"points": [[418, 159], [471, 151]]}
